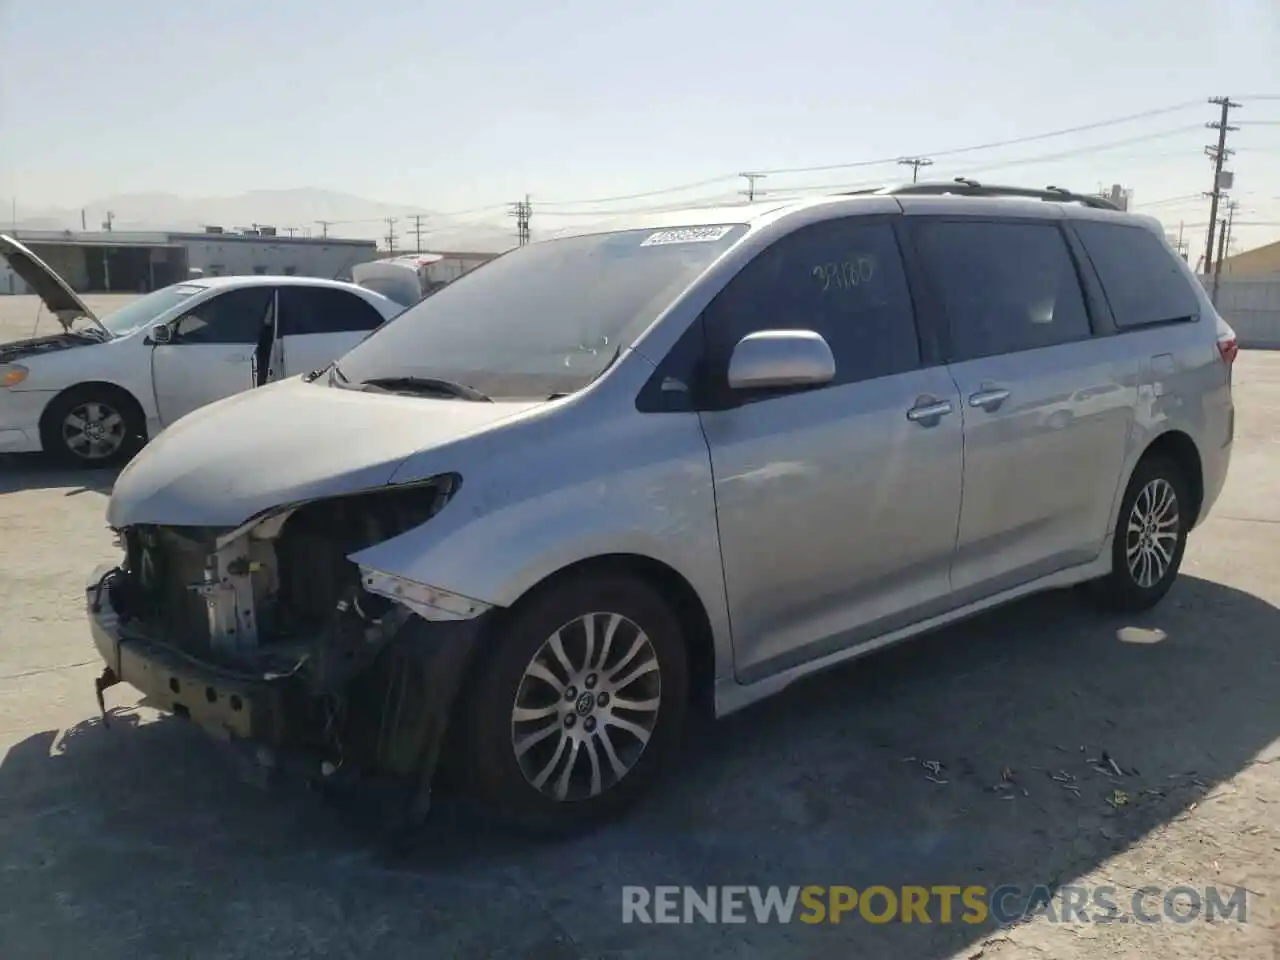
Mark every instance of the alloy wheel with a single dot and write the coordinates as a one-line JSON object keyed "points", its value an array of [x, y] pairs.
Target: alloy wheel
{"points": [[93, 430], [586, 707], [1151, 537]]}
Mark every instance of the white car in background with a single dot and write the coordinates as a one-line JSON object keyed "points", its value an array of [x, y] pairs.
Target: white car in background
{"points": [[93, 394]]}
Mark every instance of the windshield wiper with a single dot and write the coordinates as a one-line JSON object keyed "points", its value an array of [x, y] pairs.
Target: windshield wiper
{"points": [[436, 385], [315, 374]]}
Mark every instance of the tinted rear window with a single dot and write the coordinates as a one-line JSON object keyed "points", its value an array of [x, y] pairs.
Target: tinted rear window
{"points": [[1006, 286], [1141, 277]]}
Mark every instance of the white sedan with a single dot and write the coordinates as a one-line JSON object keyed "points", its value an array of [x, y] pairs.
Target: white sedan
{"points": [[94, 393]]}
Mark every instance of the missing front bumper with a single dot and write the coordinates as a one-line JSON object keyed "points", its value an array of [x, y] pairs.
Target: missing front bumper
{"points": [[266, 716]]}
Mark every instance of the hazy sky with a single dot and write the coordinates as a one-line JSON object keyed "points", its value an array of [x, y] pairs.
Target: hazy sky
{"points": [[466, 104]]}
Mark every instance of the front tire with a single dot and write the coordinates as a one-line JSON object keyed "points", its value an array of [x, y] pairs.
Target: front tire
{"points": [[1149, 540], [92, 426], [579, 706]]}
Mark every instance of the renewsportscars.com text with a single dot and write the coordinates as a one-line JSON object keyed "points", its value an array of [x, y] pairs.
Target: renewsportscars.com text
{"points": [[934, 904]]}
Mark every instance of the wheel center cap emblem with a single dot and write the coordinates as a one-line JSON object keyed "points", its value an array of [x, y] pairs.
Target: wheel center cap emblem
{"points": [[585, 704]]}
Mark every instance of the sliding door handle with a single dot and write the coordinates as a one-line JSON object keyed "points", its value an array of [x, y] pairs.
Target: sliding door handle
{"points": [[988, 399]]}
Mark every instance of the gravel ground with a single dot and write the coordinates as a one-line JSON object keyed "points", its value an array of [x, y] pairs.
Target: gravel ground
{"points": [[139, 841]]}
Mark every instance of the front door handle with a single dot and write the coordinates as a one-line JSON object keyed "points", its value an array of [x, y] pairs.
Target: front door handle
{"points": [[988, 399], [240, 358], [928, 412]]}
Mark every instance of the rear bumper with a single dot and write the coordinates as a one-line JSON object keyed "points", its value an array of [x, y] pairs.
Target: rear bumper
{"points": [[20, 412], [263, 715]]}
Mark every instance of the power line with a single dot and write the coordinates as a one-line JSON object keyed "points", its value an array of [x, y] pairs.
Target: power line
{"points": [[646, 194], [391, 233], [955, 151], [1218, 155], [801, 190]]}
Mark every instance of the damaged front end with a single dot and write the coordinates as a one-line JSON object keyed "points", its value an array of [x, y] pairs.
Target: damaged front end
{"points": [[269, 636]]}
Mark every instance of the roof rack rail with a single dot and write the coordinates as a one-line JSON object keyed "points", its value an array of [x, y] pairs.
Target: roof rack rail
{"points": [[964, 187]]}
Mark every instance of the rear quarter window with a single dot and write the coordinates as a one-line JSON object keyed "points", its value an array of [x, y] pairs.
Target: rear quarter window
{"points": [[1141, 277]]}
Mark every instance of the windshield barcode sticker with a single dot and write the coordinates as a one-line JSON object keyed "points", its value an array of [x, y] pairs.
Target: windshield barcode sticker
{"points": [[686, 235]]}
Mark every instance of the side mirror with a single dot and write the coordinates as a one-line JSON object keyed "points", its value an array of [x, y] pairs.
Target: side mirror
{"points": [[781, 358], [160, 333]]}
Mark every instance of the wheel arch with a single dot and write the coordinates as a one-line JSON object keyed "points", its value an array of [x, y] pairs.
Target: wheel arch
{"points": [[670, 584], [125, 395], [1179, 448]]}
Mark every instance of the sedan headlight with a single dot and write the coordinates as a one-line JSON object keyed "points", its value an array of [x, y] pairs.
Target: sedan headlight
{"points": [[12, 374]]}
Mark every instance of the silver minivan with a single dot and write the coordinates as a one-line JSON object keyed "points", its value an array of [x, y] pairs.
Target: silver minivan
{"points": [[529, 523]]}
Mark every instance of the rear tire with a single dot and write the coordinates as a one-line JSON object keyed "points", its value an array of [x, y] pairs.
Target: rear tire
{"points": [[92, 426], [1149, 539], [579, 706]]}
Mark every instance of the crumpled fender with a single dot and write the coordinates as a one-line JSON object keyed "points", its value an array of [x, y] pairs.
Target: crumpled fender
{"points": [[504, 532]]}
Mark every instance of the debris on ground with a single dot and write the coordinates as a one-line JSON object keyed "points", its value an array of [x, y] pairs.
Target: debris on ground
{"points": [[1118, 799], [1107, 765], [934, 769]]}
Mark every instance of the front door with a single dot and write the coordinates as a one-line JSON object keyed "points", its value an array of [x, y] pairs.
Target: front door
{"points": [[1047, 405], [320, 324], [837, 506], [217, 350]]}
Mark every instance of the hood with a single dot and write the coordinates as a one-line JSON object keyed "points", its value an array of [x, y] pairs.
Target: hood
{"points": [[59, 299], [20, 349], [282, 444]]}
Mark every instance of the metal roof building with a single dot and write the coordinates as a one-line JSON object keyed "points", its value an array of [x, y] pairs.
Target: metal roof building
{"points": [[128, 261]]}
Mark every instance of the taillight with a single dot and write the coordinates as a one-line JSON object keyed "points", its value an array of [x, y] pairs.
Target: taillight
{"points": [[1228, 348]]}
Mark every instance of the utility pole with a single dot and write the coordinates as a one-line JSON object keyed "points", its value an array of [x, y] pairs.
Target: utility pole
{"points": [[391, 233], [106, 224], [522, 210], [1219, 156], [291, 231], [324, 228], [1182, 244], [1224, 236], [915, 163], [417, 232], [751, 178]]}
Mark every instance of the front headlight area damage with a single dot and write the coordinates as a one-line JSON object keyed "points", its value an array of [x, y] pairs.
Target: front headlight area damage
{"points": [[272, 637]]}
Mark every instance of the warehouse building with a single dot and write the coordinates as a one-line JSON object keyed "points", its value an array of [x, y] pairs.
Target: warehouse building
{"points": [[118, 261], [1261, 261]]}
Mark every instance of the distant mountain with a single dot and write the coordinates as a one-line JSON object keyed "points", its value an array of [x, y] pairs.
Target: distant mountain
{"points": [[302, 209]]}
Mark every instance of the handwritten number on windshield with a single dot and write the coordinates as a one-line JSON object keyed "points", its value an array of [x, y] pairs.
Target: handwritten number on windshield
{"points": [[845, 274]]}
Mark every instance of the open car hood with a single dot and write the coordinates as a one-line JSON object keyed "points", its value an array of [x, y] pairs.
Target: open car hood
{"points": [[58, 297]]}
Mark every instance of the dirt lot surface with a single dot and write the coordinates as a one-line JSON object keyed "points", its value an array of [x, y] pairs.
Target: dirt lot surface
{"points": [[139, 841]]}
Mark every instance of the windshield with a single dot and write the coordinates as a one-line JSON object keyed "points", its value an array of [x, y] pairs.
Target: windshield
{"points": [[138, 313], [545, 318]]}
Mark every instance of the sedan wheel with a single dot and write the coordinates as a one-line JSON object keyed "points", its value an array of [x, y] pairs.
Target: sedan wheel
{"points": [[94, 431], [92, 425]]}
